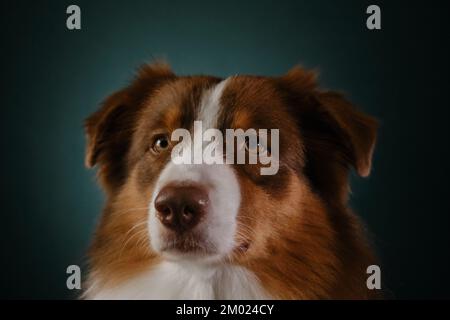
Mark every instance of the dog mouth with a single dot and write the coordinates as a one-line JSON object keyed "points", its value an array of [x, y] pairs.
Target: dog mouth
{"points": [[193, 244], [187, 244]]}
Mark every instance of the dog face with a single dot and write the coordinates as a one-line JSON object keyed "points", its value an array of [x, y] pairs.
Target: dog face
{"points": [[211, 212]]}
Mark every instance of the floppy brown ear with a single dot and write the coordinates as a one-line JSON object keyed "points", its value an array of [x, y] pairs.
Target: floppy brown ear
{"points": [[109, 130], [100, 129], [330, 124], [334, 133], [357, 130]]}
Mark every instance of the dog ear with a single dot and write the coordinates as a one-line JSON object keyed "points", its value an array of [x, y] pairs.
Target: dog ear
{"points": [[334, 133], [331, 120], [109, 129], [356, 130]]}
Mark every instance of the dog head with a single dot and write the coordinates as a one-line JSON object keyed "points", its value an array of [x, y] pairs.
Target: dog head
{"points": [[213, 211]]}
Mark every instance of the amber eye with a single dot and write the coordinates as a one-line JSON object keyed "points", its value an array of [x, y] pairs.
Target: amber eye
{"points": [[160, 144], [255, 145]]}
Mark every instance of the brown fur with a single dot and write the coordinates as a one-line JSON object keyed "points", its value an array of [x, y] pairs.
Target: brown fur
{"points": [[302, 241]]}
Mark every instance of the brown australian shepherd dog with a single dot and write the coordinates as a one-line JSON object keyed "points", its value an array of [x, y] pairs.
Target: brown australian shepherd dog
{"points": [[226, 231]]}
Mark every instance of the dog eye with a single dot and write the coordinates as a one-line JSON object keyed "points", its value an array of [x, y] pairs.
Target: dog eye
{"points": [[160, 144], [254, 146]]}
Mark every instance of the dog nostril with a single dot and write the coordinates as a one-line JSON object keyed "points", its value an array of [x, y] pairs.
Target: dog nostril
{"points": [[163, 209], [188, 214], [166, 211]]}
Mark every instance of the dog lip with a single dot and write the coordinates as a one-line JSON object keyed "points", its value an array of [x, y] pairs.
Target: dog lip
{"points": [[188, 243], [184, 247], [243, 247]]}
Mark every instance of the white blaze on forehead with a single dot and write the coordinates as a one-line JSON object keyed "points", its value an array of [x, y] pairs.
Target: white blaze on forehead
{"points": [[210, 104], [219, 226]]}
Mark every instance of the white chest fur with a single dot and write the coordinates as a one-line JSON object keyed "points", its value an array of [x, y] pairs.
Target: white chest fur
{"points": [[175, 280]]}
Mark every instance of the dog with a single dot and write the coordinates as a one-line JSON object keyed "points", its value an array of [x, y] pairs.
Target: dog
{"points": [[226, 231]]}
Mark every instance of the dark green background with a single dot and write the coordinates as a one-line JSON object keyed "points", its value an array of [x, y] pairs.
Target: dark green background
{"points": [[52, 78]]}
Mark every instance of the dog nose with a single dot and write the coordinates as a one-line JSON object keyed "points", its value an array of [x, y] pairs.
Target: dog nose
{"points": [[181, 207]]}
